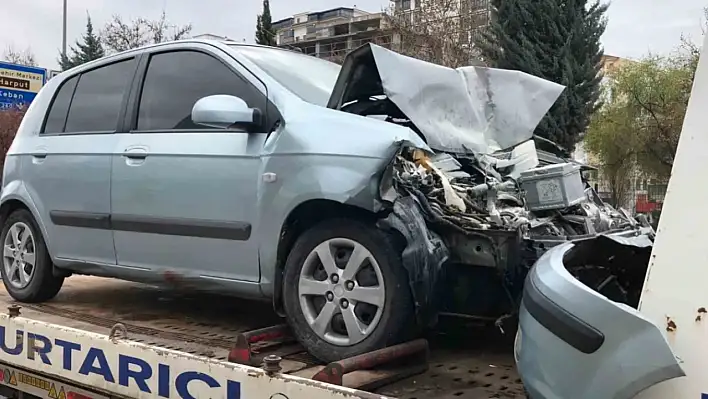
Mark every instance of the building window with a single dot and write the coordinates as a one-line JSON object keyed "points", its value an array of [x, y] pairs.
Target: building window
{"points": [[406, 4], [479, 4], [479, 19]]}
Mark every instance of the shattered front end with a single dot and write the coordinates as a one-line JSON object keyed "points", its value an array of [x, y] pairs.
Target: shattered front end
{"points": [[473, 234], [480, 204]]}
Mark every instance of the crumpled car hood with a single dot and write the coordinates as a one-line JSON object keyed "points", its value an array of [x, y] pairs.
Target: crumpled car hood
{"points": [[457, 110]]}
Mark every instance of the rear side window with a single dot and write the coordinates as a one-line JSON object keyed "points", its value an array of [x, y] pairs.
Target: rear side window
{"points": [[98, 98], [176, 80], [60, 107]]}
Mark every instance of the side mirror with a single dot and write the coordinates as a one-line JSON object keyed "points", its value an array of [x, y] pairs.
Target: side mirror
{"points": [[224, 111]]}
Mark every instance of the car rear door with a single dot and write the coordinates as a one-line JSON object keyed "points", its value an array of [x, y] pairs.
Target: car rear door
{"points": [[68, 170], [184, 196]]}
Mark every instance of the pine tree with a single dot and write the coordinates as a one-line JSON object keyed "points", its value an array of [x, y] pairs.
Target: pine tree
{"points": [[558, 40], [264, 28], [88, 49]]}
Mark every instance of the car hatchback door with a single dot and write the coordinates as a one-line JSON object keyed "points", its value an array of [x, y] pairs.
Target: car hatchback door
{"points": [[183, 195]]}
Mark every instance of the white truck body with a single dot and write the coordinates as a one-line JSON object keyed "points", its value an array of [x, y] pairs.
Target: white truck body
{"points": [[177, 344], [49, 354], [675, 294]]}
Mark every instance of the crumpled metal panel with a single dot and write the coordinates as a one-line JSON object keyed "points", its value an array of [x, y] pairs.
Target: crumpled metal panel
{"points": [[634, 353], [423, 256], [639, 241], [457, 110]]}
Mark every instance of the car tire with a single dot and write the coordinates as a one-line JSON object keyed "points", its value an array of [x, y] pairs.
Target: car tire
{"points": [[24, 283], [391, 323]]}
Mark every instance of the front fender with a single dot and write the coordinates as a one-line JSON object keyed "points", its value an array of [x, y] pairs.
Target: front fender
{"points": [[344, 179]]}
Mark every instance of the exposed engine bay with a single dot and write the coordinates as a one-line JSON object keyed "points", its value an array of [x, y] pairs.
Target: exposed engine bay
{"points": [[481, 204], [494, 226]]}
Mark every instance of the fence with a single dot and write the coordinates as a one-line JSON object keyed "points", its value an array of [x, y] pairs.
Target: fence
{"points": [[637, 193]]}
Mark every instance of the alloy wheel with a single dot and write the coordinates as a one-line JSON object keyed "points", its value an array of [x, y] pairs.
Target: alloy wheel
{"points": [[341, 291], [19, 255]]}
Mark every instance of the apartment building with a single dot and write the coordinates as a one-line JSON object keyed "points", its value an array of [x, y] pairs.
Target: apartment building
{"points": [[471, 15], [333, 33], [329, 33], [210, 36], [405, 4]]}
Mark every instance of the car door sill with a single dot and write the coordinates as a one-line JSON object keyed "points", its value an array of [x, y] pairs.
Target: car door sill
{"points": [[75, 264], [79, 263]]}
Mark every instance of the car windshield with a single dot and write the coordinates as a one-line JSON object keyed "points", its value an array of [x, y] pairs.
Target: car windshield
{"points": [[310, 78]]}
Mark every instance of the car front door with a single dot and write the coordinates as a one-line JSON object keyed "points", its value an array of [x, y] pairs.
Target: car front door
{"points": [[183, 195], [68, 170]]}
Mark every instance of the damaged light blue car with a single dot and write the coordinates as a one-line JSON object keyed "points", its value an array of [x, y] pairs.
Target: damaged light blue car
{"points": [[364, 201]]}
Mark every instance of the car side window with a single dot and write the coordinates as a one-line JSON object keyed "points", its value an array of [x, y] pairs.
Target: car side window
{"points": [[98, 98], [175, 80], [56, 118]]}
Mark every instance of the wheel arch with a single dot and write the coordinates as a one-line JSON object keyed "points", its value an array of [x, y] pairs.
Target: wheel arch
{"points": [[301, 218], [10, 205], [46, 279], [13, 201]]}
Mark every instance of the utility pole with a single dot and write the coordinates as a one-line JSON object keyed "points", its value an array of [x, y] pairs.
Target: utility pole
{"points": [[63, 35]]}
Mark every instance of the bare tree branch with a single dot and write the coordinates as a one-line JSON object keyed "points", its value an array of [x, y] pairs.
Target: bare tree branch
{"points": [[649, 107], [21, 57], [118, 35], [437, 31]]}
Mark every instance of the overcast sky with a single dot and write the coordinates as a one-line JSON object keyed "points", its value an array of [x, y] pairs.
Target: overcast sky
{"points": [[635, 26]]}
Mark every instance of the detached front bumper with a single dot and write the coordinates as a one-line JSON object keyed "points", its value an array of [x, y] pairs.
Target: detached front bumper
{"points": [[574, 343]]}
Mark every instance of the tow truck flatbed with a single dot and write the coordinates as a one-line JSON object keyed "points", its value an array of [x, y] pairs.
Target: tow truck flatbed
{"points": [[200, 330]]}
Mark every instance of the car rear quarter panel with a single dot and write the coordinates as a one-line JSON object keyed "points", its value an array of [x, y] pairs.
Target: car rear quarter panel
{"points": [[13, 185]]}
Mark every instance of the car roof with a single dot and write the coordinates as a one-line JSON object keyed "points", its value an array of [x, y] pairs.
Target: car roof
{"points": [[139, 50], [231, 43]]}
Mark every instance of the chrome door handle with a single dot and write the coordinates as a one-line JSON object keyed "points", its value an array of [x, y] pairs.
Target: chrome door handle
{"points": [[135, 153], [135, 156], [38, 157]]}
